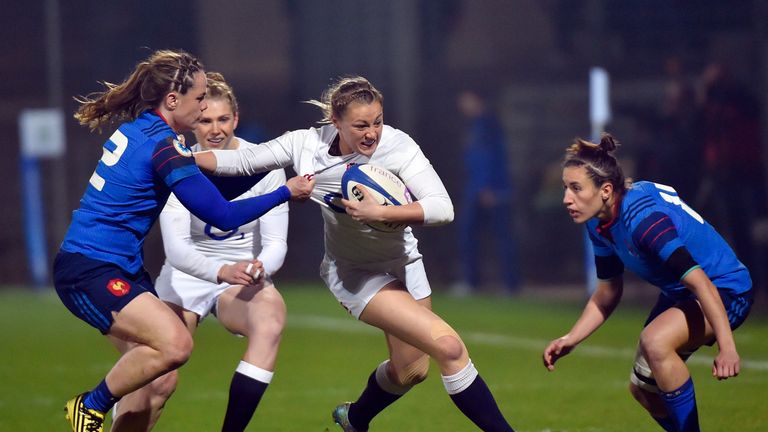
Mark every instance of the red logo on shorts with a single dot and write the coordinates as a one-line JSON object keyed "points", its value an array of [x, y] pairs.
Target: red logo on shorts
{"points": [[118, 287]]}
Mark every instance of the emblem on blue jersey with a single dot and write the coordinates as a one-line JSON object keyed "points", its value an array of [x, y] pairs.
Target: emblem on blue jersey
{"points": [[182, 148]]}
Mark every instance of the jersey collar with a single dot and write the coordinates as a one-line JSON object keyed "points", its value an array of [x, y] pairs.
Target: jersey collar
{"points": [[604, 228]]}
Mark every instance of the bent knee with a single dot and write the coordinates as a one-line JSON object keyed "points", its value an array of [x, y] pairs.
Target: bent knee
{"points": [[654, 346], [448, 344], [267, 326], [176, 353], [450, 348]]}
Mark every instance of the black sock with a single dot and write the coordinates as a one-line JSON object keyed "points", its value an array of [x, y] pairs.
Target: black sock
{"points": [[478, 404], [371, 402], [244, 396]]}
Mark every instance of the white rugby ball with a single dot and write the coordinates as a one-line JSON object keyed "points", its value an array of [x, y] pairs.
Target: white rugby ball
{"points": [[382, 185]]}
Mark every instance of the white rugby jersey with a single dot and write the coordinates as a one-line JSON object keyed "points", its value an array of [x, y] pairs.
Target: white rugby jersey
{"points": [[199, 249], [307, 150]]}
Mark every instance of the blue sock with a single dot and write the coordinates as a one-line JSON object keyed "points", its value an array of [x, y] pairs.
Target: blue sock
{"points": [[666, 423], [681, 404], [100, 398], [478, 404], [371, 402]]}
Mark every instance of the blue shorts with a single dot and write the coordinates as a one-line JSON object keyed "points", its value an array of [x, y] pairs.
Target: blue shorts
{"points": [[93, 289], [737, 306]]}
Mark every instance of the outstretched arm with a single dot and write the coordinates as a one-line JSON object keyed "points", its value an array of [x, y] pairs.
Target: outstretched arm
{"points": [[199, 195], [277, 153], [599, 307]]}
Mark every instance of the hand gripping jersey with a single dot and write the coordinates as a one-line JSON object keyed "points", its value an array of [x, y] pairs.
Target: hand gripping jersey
{"points": [[346, 239], [141, 161], [652, 222]]}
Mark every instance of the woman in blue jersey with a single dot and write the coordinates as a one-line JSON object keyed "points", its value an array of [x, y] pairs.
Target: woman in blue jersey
{"points": [[98, 273], [208, 271], [705, 290]]}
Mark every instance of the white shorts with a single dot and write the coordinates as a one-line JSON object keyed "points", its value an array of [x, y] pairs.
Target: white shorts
{"points": [[193, 294], [354, 285]]}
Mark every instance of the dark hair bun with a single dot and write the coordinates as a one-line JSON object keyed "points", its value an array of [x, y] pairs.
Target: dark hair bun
{"points": [[608, 143]]}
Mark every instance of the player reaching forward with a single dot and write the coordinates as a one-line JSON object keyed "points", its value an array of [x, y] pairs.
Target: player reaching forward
{"points": [[705, 290], [379, 277], [98, 273], [209, 270]]}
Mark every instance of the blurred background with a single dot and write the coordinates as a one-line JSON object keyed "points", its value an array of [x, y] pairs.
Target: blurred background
{"points": [[687, 98]]}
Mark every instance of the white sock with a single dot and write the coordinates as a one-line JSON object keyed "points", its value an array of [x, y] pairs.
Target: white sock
{"points": [[254, 372], [459, 381]]}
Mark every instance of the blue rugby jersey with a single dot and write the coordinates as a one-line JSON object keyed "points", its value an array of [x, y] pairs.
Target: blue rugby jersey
{"points": [[652, 222], [141, 161]]}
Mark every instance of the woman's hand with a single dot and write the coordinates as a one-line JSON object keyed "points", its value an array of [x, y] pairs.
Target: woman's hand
{"points": [[726, 364], [559, 347], [367, 210], [242, 273], [300, 187]]}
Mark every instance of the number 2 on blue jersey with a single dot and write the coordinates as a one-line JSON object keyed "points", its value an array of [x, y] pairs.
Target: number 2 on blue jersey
{"points": [[110, 157]]}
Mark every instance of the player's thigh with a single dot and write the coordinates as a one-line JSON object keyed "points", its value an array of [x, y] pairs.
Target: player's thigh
{"points": [[149, 321], [398, 314], [190, 320], [401, 353], [246, 309], [681, 327]]}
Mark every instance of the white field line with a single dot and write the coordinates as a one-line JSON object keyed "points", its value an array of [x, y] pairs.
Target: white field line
{"points": [[349, 325]]}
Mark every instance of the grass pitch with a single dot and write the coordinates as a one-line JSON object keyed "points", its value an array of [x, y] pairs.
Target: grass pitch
{"points": [[326, 357]]}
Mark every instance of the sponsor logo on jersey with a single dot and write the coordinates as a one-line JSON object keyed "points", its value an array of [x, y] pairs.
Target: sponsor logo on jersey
{"points": [[118, 287], [181, 147]]}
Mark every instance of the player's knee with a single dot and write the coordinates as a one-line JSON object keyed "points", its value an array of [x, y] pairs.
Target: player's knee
{"points": [[413, 373], [449, 348], [177, 352], [448, 344], [268, 322], [652, 346]]}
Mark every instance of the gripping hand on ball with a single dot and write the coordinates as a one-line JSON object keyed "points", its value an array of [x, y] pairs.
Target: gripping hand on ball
{"points": [[365, 210]]}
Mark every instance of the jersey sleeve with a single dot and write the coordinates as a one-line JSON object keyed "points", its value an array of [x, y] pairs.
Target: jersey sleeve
{"points": [[173, 161], [277, 153], [608, 265], [204, 201], [273, 227], [179, 247], [427, 187], [655, 234], [423, 182]]}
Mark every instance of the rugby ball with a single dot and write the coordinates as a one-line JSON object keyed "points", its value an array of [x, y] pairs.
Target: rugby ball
{"points": [[382, 185]]}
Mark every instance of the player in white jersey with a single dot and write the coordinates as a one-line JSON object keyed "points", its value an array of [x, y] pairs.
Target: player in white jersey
{"points": [[379, 277], [223, 272]]}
